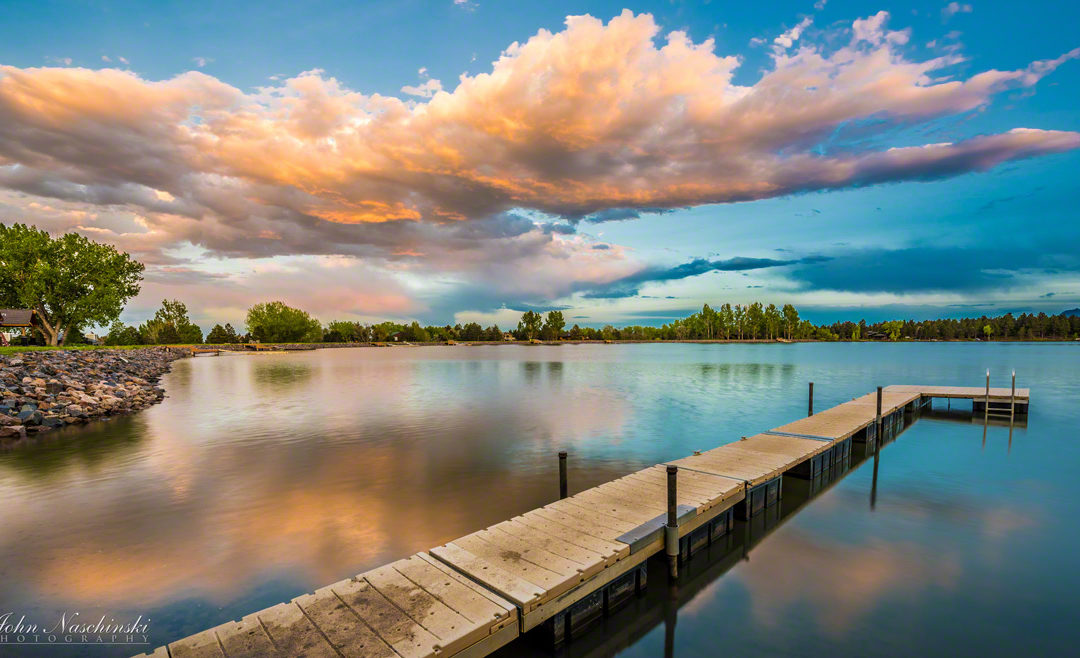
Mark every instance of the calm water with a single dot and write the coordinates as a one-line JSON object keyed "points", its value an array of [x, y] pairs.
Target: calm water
{"points": [[262, 477]]}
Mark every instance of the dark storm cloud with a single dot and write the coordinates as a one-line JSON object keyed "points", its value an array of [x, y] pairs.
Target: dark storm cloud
{"points": [[629, 286]]}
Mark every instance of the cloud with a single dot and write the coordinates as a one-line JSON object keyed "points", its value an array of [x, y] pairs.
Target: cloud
{"points": [[1048, 295], [789, 37], [201, 61], [933, 269], [427, 89], [596, 122], [598, 118], [629, 285], [954, 8]]}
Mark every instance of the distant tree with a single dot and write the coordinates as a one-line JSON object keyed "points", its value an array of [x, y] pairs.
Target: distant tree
{"points": [[170, 325], [220, 335], [343, 331], [69, 281], [791, 320], [415, 333], [575, 333], [893, 329], [988, 331], [471, 331], [553, 325], [529, 325], [276, 322], [121, 334]]}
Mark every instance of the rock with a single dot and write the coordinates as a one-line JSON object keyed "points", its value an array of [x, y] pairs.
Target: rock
{"points": [[13, 432], [78, 386], [30, 417]]}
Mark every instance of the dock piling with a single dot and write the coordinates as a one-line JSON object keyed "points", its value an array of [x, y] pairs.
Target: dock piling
{"points": [[877, 426], [1012, 398], [671, 530], [810, 410], [562, 475]]}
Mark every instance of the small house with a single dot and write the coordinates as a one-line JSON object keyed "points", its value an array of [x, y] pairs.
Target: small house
{"points": [[14, 318]]}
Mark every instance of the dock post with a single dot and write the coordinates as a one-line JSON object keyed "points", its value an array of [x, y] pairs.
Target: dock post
{"points": [[810, 411], [1012, 398], [877, 427], [562, 474], [671, 530]]}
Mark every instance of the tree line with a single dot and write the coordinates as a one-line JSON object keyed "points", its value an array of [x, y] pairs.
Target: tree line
{"points": [[72, 283]]}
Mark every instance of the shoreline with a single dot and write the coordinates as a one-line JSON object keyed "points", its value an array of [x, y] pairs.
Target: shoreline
{"points": [[43, 390]]}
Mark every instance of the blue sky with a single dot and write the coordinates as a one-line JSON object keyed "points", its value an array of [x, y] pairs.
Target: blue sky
{"points": [[310, 158]]}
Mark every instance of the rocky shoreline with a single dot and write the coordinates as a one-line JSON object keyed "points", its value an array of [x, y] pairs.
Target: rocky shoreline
{"points": [[45, 390]]}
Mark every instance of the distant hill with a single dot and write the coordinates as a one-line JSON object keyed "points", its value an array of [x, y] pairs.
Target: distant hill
{"points": [[1072, 312]]}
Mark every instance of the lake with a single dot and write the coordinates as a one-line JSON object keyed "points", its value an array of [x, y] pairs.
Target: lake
{"points": [[265, 476]]}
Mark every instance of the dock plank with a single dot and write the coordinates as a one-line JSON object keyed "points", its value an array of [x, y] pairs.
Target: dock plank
{"points": [[201, 645], [293, 633], [572, 530], [393, 627], [589, 561], [524, 593], [246, 637], [466, 598], [454, 632]]}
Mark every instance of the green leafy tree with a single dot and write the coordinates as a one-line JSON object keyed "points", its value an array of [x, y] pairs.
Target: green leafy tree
{"points": [[171, 325], [553, 325], [220, 335], [791, 320], [893, 329], [70, 282], [529, 325], [343, 331], [122, 334], [988, 331], [276, 322]]}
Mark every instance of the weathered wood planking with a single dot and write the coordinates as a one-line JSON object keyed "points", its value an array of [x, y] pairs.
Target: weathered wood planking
{"points": [[1023, 395], [755, 459], [552, 557], [412, 608]]}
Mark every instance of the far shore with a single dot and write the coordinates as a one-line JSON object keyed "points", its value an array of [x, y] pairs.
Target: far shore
{"points": [[298, 347]]}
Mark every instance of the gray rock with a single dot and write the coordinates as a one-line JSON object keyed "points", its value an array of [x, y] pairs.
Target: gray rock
{"points": [[30, 417]]}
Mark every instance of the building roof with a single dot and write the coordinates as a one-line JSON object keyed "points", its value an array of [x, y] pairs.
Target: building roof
{"points": [[15, 317]]}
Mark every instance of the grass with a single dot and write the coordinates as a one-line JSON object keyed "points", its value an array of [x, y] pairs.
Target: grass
{"points": [[39, 348]]}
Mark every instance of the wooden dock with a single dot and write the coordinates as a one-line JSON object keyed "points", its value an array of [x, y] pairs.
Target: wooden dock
{"points": [[560, 566]]}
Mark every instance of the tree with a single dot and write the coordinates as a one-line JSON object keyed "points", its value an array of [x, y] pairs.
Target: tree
{"points": [[553, 326], [791, 320], [276, 322], [988, 330], [893, 329], [69, 281], [529, 325], [170, 324], [121, 334], [220, 335]]}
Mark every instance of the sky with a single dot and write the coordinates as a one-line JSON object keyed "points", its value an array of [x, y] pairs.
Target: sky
{"points": [[457, 161]]}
